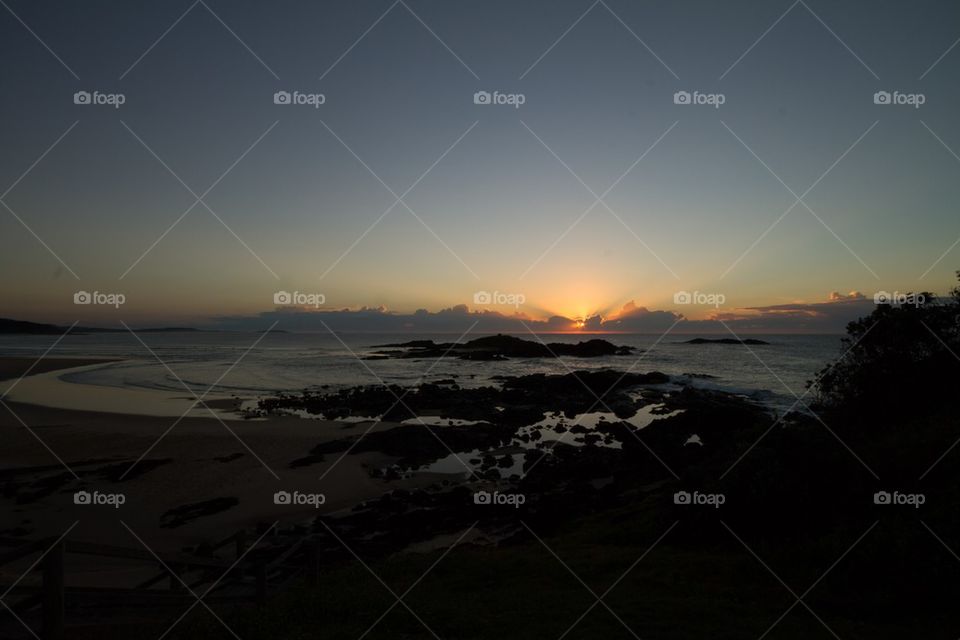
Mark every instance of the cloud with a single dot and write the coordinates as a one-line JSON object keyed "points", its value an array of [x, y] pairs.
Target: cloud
{"points": [[830, 316], [455, 319], [640, 319], [836, 296], [593, 323]]}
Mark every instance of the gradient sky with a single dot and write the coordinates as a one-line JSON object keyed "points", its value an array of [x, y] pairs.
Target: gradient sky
{"points": [[491, 209]]}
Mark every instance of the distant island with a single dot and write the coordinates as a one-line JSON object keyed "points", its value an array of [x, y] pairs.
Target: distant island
{"points": [[22, 327], [747, 341], [499, 347]]}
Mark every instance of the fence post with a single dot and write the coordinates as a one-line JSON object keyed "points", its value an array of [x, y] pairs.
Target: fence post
{"points": [[240, 543], [240, 540], [53, 593], [313, 563], [261, 570]]}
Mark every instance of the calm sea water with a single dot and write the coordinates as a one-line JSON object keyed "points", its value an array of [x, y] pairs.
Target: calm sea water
{"points": [[292, 362]]}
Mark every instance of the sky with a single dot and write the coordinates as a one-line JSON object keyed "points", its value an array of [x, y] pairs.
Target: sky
{"points": [[598, 199]]}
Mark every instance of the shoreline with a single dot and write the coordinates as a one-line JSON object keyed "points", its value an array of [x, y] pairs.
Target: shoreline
{"points": [[14, 367], [45, 386]]}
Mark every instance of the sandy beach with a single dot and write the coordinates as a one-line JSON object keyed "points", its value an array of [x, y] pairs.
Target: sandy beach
{"points": [[49, 453]]}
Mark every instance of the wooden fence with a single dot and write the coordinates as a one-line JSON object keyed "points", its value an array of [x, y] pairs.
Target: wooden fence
{"points": [[244, 578]]}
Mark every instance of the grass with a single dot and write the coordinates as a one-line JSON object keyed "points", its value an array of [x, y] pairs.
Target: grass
{"points": [[717, 591]]}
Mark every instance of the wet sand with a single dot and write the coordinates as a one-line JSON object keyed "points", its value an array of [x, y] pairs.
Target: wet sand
{"points": [[13, 367], [45, 386]]}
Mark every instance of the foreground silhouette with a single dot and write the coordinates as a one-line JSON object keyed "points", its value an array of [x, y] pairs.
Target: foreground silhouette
{"points": [[712, 522]]}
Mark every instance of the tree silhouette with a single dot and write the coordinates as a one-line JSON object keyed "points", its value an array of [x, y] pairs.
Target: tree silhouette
{"points": [[898, 360]]}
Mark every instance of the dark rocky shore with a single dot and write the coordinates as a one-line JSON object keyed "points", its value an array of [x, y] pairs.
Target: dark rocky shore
{"points": [[517, 401], [525, 422]]}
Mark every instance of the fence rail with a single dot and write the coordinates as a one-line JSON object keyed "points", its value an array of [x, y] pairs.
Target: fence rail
{"points": [[248, 577]]}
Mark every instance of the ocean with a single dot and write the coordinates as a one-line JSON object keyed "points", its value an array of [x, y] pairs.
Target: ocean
{"points": [[288, 362]]}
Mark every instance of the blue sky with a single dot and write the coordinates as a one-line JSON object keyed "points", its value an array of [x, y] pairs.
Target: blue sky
{"points": [[503, 204]]}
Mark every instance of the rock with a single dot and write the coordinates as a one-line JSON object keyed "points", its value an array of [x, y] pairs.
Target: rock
{"points": [[694, 439], [500, 347]]}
